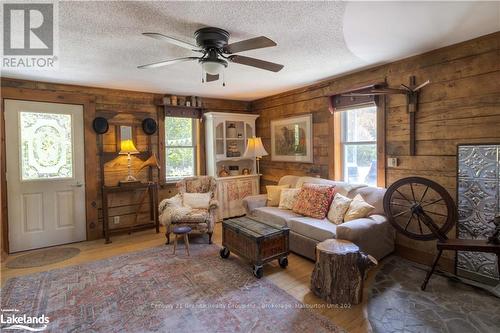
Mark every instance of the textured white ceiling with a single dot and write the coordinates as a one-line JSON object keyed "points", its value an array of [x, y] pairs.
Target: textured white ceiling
{"points": [[101, 44]]}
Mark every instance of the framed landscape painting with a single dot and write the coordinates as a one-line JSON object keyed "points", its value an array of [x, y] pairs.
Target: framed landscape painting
{"points": [[291, 139]]}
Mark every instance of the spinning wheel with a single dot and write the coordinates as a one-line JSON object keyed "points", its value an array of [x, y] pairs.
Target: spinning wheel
{"points": [[420, 208]]}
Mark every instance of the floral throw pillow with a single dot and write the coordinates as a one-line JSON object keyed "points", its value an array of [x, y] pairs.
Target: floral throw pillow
{"points": [[314, 200], [339, 206], [288, 198]]}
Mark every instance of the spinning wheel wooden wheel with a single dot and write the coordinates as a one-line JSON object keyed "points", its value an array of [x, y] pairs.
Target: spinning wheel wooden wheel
{"points": [[420, 208]]}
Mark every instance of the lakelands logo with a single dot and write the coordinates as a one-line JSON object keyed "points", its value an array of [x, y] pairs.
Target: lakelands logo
{"points": [[29, 32], [11, 320]]}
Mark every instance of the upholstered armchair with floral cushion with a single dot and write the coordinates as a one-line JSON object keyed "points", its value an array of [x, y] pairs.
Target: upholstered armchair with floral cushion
{"points": [[194, 206]]}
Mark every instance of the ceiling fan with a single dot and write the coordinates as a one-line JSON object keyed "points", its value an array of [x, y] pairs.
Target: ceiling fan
{"points": [[216, 52]]}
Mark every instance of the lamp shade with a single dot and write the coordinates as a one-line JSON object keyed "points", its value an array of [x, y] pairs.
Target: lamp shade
{"points": [[128, 147], [255, 148]]}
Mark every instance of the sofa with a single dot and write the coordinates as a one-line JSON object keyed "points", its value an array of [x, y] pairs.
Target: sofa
{"points": [[373, 234]]}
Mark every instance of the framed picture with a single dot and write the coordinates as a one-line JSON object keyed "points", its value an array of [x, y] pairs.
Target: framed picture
{"points": [[291, 139]]}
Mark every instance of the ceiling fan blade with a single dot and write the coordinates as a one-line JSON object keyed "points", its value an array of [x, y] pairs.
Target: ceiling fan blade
{"points": [[171, 40], [269, 66], [167, 62], [210, 77], [249, 44]]}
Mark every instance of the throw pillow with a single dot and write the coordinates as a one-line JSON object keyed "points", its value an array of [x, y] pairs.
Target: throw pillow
{"points": [[196, 200], [339, 206], [358, 208], [288, 198], [273, 194], [314, 200]]}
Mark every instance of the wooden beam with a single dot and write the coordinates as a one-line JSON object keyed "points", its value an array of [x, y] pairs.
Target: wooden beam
{"points": [[381, 136], [412, 109], [337, 147]]}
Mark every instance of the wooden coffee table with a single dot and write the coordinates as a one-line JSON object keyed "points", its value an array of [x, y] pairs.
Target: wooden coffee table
{"points": [[256, 241]]}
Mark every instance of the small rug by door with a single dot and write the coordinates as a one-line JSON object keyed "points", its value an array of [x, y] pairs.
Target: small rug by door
{"points": [[155, 291], [397, 304], [43, 257]]}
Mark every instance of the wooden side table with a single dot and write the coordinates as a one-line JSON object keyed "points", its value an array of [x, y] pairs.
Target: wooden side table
{"points": [[339, 271], [150, 189]]}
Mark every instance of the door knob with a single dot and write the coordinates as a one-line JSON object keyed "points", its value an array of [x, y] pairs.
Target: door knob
{"points": [[78, 184]]}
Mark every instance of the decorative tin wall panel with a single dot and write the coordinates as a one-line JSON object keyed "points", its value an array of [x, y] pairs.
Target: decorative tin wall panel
{"points": [[478, 203]]}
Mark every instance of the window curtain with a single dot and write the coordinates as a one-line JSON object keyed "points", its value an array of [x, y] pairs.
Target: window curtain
{"points": [[182, 112]]}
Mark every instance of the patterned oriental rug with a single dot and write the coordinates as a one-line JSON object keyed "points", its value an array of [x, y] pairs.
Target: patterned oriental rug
{"points": [[154, 291], [397, 304]]}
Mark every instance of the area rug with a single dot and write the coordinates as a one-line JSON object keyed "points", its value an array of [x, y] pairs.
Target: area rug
{"points": [[43, 257], [155, 291], [397, 304]]}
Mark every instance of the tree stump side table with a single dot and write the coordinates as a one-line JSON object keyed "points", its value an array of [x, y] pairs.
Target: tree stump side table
{"points": [[339, 271]]}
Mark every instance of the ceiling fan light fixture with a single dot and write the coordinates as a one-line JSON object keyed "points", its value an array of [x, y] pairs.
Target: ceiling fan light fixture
{"points": [[216, 51], [213, 66]]}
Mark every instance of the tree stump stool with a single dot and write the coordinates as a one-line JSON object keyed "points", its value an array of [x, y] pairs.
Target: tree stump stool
{"points": [[340, 271]]}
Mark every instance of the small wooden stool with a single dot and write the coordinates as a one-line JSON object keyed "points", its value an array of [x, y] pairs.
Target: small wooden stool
{"points": [[339, 271], [182, 231]]}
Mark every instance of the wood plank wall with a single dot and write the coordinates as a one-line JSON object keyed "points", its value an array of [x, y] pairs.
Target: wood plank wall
{"points": [[123, 107], [461, 105]]}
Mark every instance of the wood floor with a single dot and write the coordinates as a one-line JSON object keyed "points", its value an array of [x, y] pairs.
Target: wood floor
{"points": [[294, 279]]}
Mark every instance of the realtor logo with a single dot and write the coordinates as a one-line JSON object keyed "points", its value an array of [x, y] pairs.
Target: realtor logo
{"points": [[10, 319], [30, 36], [28, 29]]}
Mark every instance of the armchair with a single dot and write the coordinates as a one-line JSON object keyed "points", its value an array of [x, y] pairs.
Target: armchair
{"points": [[173, 213]]}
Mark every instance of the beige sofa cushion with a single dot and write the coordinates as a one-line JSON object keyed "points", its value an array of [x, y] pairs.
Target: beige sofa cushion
{"points": [[340, 187], [358, 209], [289, 180], [314, 180], [374, 196], [274, 215], [274, 193], [319, 230], [374, 235]]}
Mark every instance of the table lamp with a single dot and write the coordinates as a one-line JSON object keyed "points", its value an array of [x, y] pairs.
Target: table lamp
{"points": [[255, 149], [127, 147]]}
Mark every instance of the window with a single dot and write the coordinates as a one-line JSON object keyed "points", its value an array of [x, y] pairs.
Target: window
{"points": [[359, 145], [180, 147], [46, 146]]}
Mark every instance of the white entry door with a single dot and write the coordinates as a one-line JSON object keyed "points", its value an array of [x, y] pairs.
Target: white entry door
{"points": [[45, 174]]}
